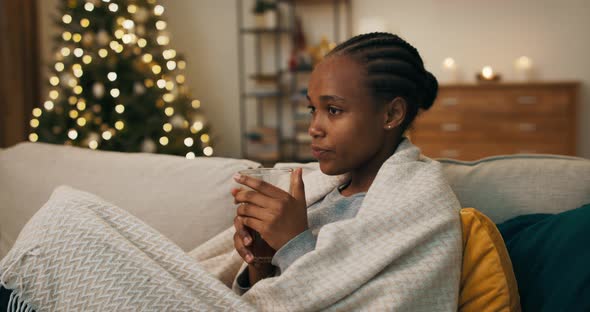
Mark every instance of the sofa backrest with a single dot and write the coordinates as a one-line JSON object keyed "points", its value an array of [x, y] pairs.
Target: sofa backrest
{"points": [[503, 187], [188, 200]]}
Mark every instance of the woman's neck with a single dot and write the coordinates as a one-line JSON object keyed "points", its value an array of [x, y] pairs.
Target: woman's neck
{"points": [[361, 178]]}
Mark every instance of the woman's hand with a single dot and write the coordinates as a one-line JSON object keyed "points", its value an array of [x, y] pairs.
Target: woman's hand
{"points": [[247, 247], [275, 214]]}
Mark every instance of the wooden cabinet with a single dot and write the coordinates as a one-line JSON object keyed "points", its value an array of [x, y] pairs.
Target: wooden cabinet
{"points": [[469, 122]]}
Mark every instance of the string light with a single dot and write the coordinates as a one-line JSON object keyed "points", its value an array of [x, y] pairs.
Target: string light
{"points": [[156, 69], [37, 112], [53, 94], [81, 121], [72, 134], [158, 10], [169, 111], [77, 37], [113, 44], [112, 76], [169, 85], [188, 142], [66, 36], [33, 137], [197, 125], [103, 53], [120, 108], [119, 33], [115, 92], [113, 7], [132, 8], [54, 81], [147, 58], [34, 123], [73, 114], [119, 125], [181, 64], [128, 24], [167, 127], [89, 6], [196, 104], [168, 97], [119, 49], [87, 59], [161, 83], [190, 155], [163, 40], [161, 25], [171, 65], [107, 135], [78, 89], [65, 51], [208, 151], [164, 141], [93, 144], [128, 38], [149, 83], [205, 138], [168, 54], [81, 105], [84, 22], [141, 42], [78, 52], [72, 82], [72, 100], [66, 19], [180, 79]]}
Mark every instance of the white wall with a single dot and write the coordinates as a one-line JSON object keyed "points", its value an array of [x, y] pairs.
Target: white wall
{"points": [[475, 33]]}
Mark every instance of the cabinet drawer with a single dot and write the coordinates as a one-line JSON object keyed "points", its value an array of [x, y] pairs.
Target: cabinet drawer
{"points": [[467, 151], [553, 101], [512, 128]]}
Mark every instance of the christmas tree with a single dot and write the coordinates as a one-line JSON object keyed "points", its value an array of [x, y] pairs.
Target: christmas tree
{"points": [[116, 85]]}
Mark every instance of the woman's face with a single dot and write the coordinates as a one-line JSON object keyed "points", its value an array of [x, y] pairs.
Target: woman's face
{"points": [[347, 128]]}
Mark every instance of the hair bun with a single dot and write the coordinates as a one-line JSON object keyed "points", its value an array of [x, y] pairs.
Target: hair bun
{"points": [[430, 91]]}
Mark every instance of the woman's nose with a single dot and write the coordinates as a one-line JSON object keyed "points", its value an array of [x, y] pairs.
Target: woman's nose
{"points": [[315, 129]]}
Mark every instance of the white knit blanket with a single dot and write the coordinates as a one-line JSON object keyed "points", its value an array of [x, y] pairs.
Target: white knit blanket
{"points": [[402, 252]]}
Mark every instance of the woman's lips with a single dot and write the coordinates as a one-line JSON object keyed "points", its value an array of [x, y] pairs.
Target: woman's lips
{"points": [[319, 152]]}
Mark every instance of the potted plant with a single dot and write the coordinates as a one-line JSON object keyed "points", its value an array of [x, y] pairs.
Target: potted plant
{"points": [[265, 14]]}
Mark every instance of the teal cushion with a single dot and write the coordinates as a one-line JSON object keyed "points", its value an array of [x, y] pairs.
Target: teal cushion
{"points": [[550, 254]]}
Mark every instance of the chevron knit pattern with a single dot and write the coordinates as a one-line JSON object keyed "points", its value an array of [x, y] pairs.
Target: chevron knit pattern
{"points": [[402, 252]]}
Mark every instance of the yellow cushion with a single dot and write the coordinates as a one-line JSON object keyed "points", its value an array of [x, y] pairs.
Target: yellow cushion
{"points": [[487, 279]]}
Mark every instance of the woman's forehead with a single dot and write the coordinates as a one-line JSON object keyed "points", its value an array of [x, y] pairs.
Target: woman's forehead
{"points": [[337, 76]]}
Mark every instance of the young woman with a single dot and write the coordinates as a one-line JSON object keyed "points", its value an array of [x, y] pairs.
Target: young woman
{"points": [[376, 228], [362, 98]]}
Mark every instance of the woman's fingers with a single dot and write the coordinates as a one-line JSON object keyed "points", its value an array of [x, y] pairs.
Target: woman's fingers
{"points": [[260, 186], [252, 197], [253, 211], [239, 245], [242, 232]]}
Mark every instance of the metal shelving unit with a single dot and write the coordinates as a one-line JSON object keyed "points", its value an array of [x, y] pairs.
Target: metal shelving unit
{"points": [[270, 141]]}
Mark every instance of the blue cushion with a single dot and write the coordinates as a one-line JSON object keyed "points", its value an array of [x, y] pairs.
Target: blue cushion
{"points": [[550, 254]]}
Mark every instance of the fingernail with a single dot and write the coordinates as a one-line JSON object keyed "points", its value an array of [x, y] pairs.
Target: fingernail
{"points": [[249, 258], [237, 177], [247, 240]]}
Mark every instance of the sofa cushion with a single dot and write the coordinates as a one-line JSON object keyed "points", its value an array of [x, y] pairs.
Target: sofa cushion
{"points": [[550, 256], [188, 200], [487, 279], [504, 187]]}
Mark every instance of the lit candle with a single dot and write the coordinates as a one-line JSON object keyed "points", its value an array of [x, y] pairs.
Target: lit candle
{"points": [[523, 67], [450, 72], [487, 73]]}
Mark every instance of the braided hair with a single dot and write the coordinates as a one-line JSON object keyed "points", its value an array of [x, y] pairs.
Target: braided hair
{"points": [[394, 69]]}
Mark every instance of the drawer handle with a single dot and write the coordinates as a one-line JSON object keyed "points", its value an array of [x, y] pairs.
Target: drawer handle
{"points": [[450, 127], [450, 101], [527, 127], [449, 153], [527, 99]]}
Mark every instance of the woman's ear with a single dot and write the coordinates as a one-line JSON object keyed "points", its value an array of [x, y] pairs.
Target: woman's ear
{"points": [[395, 113]]}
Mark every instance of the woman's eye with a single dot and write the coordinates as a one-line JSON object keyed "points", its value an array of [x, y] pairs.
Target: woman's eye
{"points": [[311, 109], [334, 110]]}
